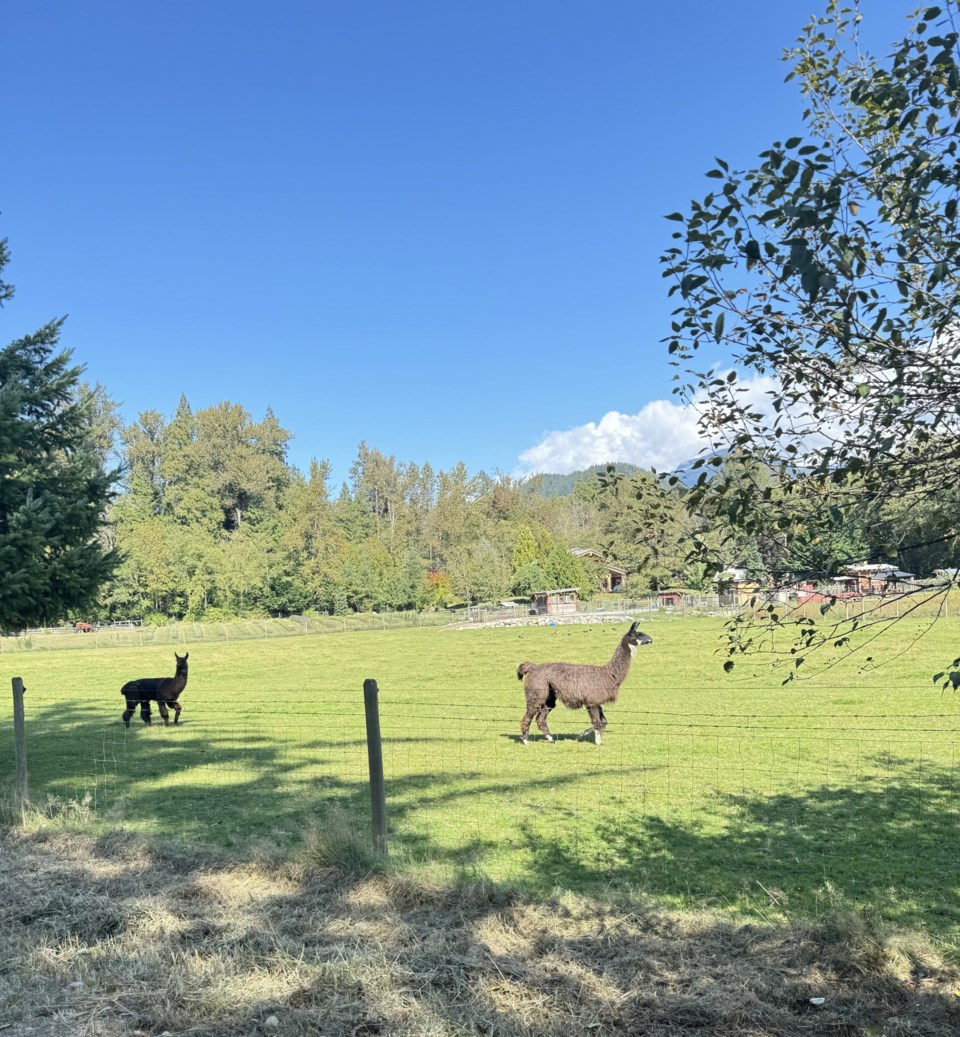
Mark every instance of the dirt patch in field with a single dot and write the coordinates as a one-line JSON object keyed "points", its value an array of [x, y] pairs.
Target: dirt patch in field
{"points": [[119, 937]]}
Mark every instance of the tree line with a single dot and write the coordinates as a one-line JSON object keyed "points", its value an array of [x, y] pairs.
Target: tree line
{"points": [[205, 518], [210, 520]]}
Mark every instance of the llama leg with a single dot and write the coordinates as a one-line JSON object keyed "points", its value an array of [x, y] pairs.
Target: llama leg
{"points": [[145, 712], [129, 711], [597, 724], [525, 724], [176, 711], [542, 713], [162, 706]]}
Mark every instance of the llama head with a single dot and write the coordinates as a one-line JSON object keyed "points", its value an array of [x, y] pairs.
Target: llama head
{"points": [[181, 661], [634, 638]]}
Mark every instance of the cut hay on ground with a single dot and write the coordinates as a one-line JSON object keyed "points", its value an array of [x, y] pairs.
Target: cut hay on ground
{"points": [[116, 936]]}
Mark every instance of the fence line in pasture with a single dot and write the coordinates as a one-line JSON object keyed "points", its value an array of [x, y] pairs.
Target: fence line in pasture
{"points": [[674, 800], [622, 608], [131, 636]]}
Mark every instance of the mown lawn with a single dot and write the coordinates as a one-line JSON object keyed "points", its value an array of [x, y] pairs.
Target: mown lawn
{"points": [[729, 791]]}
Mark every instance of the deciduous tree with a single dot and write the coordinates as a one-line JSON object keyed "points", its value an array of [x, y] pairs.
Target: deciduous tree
{"points": [[830, 274]]}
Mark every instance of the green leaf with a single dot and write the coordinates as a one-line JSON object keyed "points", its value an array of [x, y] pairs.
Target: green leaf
{"points": [[718, 327]]}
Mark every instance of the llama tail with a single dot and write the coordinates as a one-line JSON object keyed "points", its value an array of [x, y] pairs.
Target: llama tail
{"points": [[523, 669]]}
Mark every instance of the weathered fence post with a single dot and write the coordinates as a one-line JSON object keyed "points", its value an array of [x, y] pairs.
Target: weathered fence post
{"points": [[20, 742], [378, 795]]}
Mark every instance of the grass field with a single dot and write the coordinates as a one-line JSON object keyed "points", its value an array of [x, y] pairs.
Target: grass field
{"points": [[726, 791]]}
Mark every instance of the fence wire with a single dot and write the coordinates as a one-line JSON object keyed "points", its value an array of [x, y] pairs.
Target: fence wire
{"points": [[676, 800]]}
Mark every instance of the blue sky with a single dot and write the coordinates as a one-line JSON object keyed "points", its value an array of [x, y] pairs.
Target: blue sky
{"points": [[433, 226]]}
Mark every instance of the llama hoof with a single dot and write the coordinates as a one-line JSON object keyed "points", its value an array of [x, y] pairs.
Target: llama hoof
{"points": [[549, 738], [524, 741]]}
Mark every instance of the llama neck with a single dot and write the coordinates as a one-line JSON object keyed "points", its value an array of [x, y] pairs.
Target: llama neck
{"points": [[619, 665]]}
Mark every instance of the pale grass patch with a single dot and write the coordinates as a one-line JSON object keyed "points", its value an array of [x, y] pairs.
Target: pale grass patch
{"points": [[213, 947], [157, 923], [369, 893], [244, 887]]}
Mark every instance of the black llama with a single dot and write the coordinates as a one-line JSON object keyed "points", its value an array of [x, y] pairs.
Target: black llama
{"points": [[165, 691], [577, 685]]}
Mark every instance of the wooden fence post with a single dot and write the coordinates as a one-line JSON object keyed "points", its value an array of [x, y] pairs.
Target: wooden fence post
{"points": [[20, 742], [378, 795]]}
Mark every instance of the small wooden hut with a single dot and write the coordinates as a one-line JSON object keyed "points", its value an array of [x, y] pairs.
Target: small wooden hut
{"points": [[613, 577], [560, 602]]}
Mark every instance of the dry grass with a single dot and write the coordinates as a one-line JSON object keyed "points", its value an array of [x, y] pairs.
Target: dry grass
{"points": [[123, 936]]}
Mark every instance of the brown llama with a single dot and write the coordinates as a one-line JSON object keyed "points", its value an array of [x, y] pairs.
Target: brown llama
{"points": [[576, 685], [165, 691]]}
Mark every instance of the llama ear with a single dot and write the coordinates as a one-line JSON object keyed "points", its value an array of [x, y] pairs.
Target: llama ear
{"points": [[633, 627]]}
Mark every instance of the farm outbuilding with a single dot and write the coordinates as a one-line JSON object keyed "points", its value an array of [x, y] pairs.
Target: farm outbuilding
{"points": [[877, 577], [560, 602], [613, 576], [734, 587]]}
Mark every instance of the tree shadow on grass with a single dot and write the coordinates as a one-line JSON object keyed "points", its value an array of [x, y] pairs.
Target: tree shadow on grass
{"points": [[888, 846], [226, 782]]}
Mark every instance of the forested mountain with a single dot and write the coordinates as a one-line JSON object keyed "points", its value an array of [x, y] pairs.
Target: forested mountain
{"points": [[552, 485], [211, 521]]}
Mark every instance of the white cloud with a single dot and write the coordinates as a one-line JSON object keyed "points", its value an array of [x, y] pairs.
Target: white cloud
{"points": [[661, 435]]}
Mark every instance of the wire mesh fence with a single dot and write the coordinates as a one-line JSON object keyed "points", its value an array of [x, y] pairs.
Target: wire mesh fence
{"points": [[134, 635], [617, 608], [684, 801]]}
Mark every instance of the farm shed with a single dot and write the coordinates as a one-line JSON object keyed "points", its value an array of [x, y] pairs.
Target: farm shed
{"points": [[560, 602], [670, 599], [876, 578], [734, 587], [614, 577]]}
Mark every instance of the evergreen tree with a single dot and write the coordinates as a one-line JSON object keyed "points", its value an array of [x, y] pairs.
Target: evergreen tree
{"points": [[530, 577], [525, 549], [53, 486]]}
